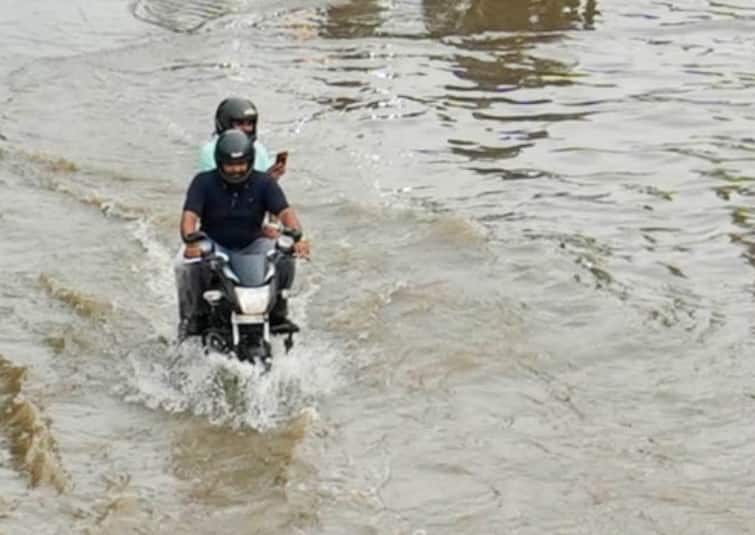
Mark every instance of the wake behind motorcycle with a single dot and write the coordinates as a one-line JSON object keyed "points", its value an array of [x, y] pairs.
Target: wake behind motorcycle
{"points": [[241, 291]]}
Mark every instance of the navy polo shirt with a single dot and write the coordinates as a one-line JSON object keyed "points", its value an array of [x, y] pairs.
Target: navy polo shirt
{"points": [[232, 215]]}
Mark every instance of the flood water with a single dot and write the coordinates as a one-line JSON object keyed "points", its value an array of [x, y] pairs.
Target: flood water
{"points": [[531, 302]]}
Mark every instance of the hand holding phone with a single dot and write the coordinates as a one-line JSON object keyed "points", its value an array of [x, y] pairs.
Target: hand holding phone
{"points": [[277, 170]]}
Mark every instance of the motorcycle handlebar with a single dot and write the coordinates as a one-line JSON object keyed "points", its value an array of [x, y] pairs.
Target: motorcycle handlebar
{"points": [[284, 243], [293, 233]]}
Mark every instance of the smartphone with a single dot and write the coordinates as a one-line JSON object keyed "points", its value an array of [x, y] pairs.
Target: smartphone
{"points": [[281, 157]]}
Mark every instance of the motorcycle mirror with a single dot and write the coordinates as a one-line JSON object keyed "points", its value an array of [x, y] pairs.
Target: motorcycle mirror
{"points": [[213, 297]]}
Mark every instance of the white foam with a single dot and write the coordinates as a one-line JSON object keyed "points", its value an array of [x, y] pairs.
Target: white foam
{"points": [[230, 392], [157, 264]]}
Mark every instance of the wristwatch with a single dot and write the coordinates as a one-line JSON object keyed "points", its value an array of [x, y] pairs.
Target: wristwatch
{"points": [[193, 237]]}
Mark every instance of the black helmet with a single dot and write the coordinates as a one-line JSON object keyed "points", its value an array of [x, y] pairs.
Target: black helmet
{"points": [[232, 110], [234, 146]]}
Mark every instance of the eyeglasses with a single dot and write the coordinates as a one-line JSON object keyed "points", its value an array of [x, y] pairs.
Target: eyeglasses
{"points": [[242, 122]]}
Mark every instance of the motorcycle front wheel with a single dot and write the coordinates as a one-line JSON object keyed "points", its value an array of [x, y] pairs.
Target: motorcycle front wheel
{"points": [[215, 341]]}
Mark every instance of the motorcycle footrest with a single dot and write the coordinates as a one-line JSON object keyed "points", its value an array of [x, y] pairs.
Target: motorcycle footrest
{"points": [[284, 328]]}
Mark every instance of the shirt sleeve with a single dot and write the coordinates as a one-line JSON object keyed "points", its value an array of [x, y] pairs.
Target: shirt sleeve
{"points": [[207, 156], [275, 199], [262, 161], [195, 196]]}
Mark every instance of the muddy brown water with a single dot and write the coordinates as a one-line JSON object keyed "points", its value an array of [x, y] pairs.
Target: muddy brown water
{"points": [[530, 306]]}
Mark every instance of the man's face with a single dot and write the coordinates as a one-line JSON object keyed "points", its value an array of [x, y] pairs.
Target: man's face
{"points": [[235, 169], [247, 125]]}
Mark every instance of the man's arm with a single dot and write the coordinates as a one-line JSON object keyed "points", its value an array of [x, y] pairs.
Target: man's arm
{"points": [[189, 224], [191, 214], [277, 204], [289, 218]]}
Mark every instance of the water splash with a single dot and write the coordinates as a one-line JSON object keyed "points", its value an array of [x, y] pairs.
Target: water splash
{"points": [[183, 379], [156, 264]]}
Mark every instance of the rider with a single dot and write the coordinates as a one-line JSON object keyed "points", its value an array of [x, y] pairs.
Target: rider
{"points": [[234, 112], [230, 202]]}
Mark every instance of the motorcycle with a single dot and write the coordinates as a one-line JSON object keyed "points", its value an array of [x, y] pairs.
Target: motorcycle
{"points": [[241, 292]]}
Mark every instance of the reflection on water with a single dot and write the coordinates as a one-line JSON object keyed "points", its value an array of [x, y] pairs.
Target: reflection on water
{"points": [[443, 18], [744, 218], [182, 16], [495, 43], [224, 466], [496, 58], [497, 38], [246, 476], [450, 17], [353, 20]]}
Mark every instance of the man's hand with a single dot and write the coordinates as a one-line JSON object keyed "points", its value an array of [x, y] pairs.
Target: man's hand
{"points": [[277, 170], [192, 250], [270, 231], [301, 249]]}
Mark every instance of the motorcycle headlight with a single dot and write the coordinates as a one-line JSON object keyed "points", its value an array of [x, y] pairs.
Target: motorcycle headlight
{"points": [[253, 300]]}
